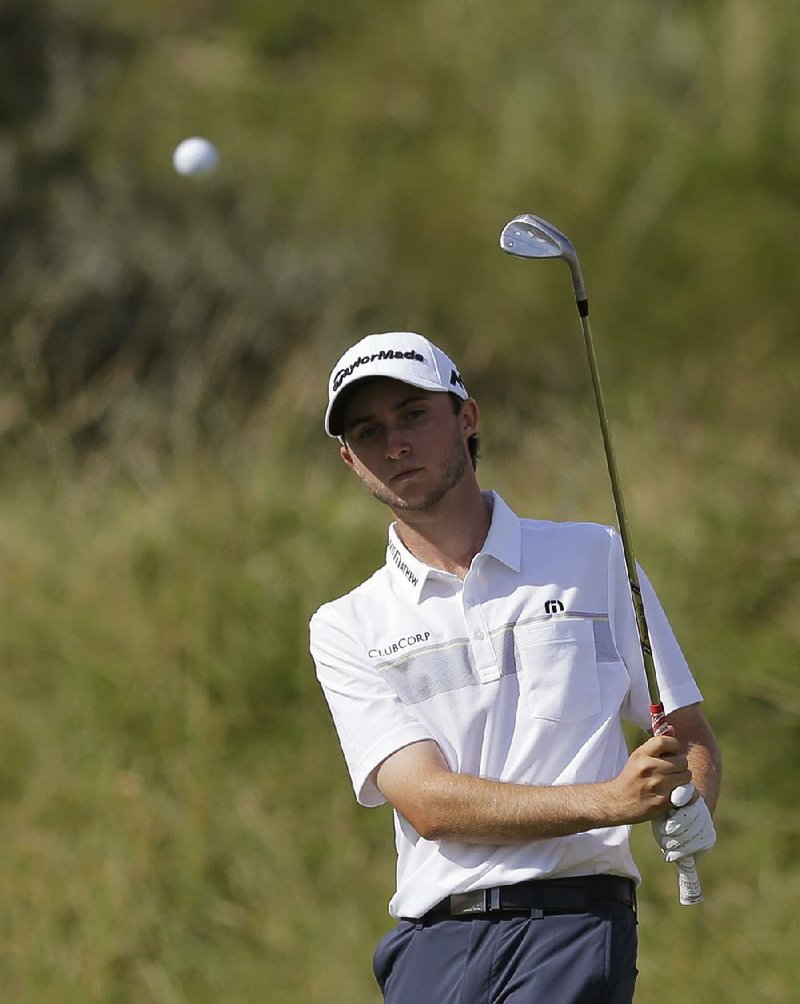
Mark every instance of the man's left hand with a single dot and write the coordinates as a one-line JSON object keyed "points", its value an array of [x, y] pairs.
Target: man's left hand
{"points": [[688, 830]]}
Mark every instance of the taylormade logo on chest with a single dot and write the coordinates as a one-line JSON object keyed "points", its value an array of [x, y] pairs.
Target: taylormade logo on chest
{"points": [[347, 371]]}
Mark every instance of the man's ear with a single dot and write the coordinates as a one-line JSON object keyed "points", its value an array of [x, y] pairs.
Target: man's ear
{"points": [[346, 455], [469, 415]]}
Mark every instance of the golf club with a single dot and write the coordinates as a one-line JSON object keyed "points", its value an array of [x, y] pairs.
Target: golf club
{"points": [[528, 236]]}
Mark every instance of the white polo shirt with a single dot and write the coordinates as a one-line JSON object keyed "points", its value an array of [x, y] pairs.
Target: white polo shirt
{"points": [[522, 672]]}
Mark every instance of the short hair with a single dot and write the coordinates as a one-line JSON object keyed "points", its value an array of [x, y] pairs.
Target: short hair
{"points": [[473, 443]]}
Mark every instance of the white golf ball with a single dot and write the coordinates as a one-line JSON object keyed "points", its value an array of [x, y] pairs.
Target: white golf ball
{"points": [[195, 156]]}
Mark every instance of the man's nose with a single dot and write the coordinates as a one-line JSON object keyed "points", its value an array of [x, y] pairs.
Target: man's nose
{"points": [[397, 444]]}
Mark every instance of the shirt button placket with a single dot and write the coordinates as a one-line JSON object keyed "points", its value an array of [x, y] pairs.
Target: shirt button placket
{"points": [[482, 650]]}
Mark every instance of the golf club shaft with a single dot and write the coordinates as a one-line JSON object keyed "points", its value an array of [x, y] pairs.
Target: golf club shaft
{"points": [[529, 236], [689, 886]]}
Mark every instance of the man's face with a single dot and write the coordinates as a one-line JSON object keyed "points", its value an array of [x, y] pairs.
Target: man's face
{"points": [[407, 445]]}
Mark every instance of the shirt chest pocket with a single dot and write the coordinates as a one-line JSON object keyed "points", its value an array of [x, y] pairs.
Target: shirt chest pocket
{"points": [[557, 669]]}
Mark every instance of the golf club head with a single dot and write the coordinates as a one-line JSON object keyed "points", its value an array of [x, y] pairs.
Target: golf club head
{"points": [[529, 236]]}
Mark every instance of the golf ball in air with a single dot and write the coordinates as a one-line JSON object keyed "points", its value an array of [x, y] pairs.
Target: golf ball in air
{"points": [[195, 156]]}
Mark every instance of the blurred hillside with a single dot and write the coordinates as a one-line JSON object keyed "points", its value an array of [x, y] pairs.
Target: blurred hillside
{"points": [[369, 161], [178, 825]]}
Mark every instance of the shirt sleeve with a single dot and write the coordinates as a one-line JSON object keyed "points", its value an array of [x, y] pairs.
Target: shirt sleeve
{"points": [[676, 685], [370, 719]]}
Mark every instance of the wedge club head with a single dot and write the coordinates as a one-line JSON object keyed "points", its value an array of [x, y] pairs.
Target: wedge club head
{"points": [[529, 236]]}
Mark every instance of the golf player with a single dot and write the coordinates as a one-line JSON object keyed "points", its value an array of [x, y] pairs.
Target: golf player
{"points": [[478, 682]]}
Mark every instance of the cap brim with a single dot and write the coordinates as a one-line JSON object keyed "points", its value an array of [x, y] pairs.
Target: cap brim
{"points": [[334, 416]]}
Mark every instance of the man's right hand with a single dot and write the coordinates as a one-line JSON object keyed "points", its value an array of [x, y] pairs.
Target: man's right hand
{"points": [[642, 790]]}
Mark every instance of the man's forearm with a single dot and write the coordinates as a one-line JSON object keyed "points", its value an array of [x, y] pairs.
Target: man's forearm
{"points": [[704, 763], [445, 805], [477, 810], [702, 751]]}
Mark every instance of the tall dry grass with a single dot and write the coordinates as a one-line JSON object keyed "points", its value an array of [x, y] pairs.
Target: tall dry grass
{"points": [[176, 816]]}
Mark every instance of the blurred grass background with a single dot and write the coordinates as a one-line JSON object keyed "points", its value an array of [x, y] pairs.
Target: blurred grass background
{"points": [[176, 817]]}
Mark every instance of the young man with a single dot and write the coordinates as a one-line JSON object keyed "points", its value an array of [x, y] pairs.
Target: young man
{"points": [[478, 682]]}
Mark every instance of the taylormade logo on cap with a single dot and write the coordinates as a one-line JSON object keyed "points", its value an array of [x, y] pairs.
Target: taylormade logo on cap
{"points": [[342, 375], [399, 355]]}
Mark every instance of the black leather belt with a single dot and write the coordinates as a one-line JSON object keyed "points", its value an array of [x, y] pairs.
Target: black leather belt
{"points": [[539, 896]]}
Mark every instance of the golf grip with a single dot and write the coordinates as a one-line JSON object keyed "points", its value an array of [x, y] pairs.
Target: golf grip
{"points": [[689, 889]]}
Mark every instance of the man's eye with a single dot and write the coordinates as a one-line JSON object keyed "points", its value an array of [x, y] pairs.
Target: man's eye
{"points": [[415, 413], [368, 432]]}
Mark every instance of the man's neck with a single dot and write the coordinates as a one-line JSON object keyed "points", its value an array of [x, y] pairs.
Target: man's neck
{"points": [[450, 534]]}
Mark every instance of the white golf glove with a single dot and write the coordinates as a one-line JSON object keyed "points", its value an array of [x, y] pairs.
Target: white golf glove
{"points": [[683, 831]]}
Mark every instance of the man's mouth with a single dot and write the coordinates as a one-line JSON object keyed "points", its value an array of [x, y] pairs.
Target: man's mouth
{"points": [[406, 475]]}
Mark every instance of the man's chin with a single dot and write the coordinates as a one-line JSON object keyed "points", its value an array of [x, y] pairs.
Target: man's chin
{"points": [[415, 497], [401, 503], [411, 501]]}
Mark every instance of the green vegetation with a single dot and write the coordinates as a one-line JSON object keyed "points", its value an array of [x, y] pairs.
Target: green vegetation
{"points": [[176, 817]]}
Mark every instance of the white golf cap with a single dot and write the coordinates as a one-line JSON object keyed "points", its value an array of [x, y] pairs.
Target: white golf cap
{"points": [[399, 355]]}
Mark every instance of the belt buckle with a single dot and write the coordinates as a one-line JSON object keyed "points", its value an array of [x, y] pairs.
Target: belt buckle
{"points": [[478, 901], [464, 903]]}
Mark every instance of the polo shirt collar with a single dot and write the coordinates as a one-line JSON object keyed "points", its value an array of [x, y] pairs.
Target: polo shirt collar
{"points": [[503, 542], [409, 572]]}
